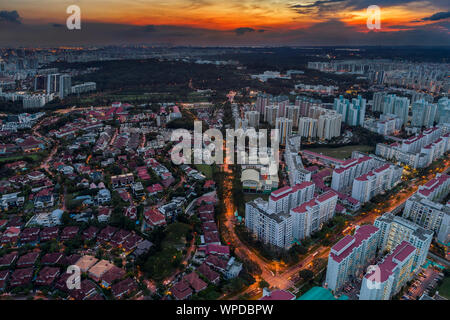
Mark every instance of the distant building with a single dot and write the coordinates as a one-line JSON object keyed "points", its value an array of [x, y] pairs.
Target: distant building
{"points": [[353, 113], [394, 230], [423, 114]]}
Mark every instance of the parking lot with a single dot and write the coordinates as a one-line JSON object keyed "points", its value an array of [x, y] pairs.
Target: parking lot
{"points": [[425, 281]]}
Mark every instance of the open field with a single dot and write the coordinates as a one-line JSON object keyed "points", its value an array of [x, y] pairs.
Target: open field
{"points": [[35, 157], [205, 169], [342, 152], [444, 289]]}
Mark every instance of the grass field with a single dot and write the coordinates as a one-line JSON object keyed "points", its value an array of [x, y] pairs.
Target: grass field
{"points": [[444, 289], [206, 170], [35, 157], [164, 262], [342, 152], [176, 235]]}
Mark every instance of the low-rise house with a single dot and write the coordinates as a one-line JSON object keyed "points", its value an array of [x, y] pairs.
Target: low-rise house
{"points": [[44, 201], [52, 258], [217, 263], [208, 198], [181, 290], [120, 237], [11, 200], [138, 189], [142, 248], [207, 208], [195, 282], [99, 269], [131, 212], [86, 262], [208, 273], [123, 287], [209, 226], [88, 289], [206, 217], [8, 259], [47, 276], [113, 274], [21, 277], [61, 282], [212, 237], [123, 180], [103, 196], [153, 218], [11, 235], [233, 268], [90, 233], [104, 213], [154, 189], [30, 235], [106, 234], [4, 275], [216, 249], [27, 260], [47, 219], [71, 260], [131, 242], [69, 233], [35, 175], [49, 233]]}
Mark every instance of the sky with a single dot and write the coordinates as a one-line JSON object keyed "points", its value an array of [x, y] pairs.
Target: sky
{"points": [[224, 23]]}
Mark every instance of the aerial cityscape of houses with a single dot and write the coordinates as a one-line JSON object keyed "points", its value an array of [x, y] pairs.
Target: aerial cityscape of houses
{"points": [[359, 208]]}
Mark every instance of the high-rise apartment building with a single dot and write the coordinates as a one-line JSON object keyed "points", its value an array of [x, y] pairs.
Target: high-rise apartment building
{"points": [[423, 114], [429, 215], [307, 127], [252, 118], [353, 113], [398, 106], [372, 183], [311, 215], [345, 173], [389, 276], [284, 125], [350, 256], [394, 230], [270, 221]]}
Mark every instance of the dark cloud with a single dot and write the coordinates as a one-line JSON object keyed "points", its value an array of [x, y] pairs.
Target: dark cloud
{"points": [[10, 16], [438, 16], [149, 28], [57, 25], [241, 31], [314, 4], [328, 33], [330, 6]]}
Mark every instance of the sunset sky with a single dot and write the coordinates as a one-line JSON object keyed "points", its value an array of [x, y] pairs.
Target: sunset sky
{"points": [[230, 22]]}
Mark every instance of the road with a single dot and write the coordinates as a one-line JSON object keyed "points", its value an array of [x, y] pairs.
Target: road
{"points": [[281, 277]]}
